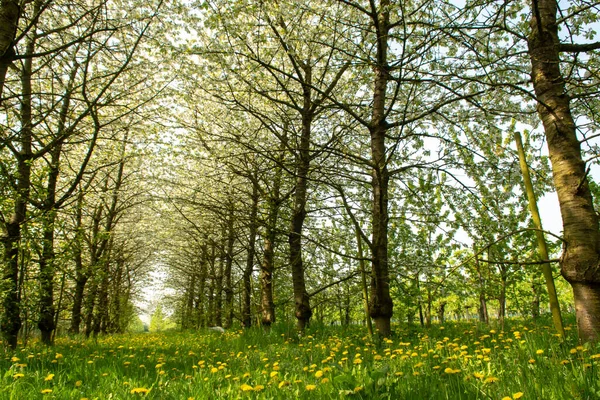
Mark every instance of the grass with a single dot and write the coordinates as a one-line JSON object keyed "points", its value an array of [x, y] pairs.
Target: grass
{"points": [[454, 361]]}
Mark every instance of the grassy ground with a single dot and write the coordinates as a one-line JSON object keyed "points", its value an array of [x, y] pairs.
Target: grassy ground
{"points": [[454, 361]]}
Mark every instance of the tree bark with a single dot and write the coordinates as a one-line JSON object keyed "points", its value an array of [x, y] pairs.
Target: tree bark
{"points": [[581, 252], [11, 319], [10, 11], [381, 305], [302, 301]]}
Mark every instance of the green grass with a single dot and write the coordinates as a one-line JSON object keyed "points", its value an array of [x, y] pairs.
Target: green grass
{"points": [[456, 361]]}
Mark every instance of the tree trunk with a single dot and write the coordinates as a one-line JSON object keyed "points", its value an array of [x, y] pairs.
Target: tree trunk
{"points": [[381, 305], [11, 319], [442, 312], [81, 275], [228, 266], [247, 276], [581, 253], [302, 302], [10, 12]]}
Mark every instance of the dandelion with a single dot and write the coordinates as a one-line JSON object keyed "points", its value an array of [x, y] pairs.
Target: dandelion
{"points": [[273, 374], [311, 387], [517, 395], [46, 391], [246, 388], [539, 352], [258, 388], [49, 377], [283, 384], [18, 375], [139, 390], [318, 374], [491, 379], [78, 383]]}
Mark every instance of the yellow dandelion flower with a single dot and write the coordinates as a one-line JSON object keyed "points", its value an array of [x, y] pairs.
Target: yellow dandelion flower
{"points": [[283, 384], [318, 374], [358, 389], [539, 352], [491, 379], [517, 395], [595, 356], [311, 387], [532, 361], [258, 388], [246, 388], [478, 375], [58, 355], [139, 390], [506, 398], [324, 380], [46, 391], [18, 375], [357, 361], [214, 370], [49, 377], [15, 359]]}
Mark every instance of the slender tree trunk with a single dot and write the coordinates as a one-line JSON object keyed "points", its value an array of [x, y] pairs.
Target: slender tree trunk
{"points": [[442, 312], [228, 266], [363, 278], [381, 306], [502, 297], [535, 303], [81, 275], [187, 317], [581, 253], [219, 286], [247, 276], [482, 308]]}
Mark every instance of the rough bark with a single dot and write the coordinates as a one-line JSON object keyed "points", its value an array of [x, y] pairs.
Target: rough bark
{"points": [[381, 305], [581, 252], [10, 12], [11, 318], [302, 301]]}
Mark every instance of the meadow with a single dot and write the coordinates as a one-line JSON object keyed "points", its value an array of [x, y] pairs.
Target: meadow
{"points": [[453, 361]]}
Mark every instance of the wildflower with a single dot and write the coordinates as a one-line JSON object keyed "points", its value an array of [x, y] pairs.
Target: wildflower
{"points": [[49, 377], [564, 362], [214, 370], [18, 375], [595, 356], [15, 359], [258, 388], [46, 391], [283, 384], [478, 375], [539, 352], [358, 389], [139, 390], [506, 398], [58, 355], [517, 395], [318, 374], [451, 371], [531, 361], [78, 383], [491, 379], [246, 388], [311, 387]]}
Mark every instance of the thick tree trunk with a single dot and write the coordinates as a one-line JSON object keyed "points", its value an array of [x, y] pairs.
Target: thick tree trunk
{"points": [[581, 254], [10, 12], [11, 319], [302, 302], [381, 305]]}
